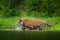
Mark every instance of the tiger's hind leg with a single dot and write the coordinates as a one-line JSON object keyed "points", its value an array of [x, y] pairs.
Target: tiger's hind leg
{"points": [[41, 27], [37, 27]]}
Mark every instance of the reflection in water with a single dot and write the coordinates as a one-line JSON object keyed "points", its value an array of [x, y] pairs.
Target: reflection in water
{"points": [[18, 29]]}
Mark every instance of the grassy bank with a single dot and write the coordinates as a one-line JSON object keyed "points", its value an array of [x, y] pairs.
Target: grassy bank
{"points": [[12, 21]]}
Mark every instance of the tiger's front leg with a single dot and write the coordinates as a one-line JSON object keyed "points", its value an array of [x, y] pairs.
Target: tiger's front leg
{"points": [[23, 28]]}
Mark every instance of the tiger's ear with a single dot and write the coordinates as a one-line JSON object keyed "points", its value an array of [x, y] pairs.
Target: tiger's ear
{"points": [[20, 20]]}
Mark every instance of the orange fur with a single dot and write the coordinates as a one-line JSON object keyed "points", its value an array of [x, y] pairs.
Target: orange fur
{"points": [[32, 23]]}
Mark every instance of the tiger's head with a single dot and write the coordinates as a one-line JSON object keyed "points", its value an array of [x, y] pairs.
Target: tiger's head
{"points": [[20, 22]]}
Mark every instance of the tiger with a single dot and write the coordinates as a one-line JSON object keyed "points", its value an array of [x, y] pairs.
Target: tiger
{"points": [[33, 24]]}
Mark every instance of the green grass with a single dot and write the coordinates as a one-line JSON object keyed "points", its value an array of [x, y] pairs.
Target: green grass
{"points": [[9, 23]]}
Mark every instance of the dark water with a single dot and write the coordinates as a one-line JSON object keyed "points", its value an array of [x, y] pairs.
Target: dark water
{"points": [[27, 35]]}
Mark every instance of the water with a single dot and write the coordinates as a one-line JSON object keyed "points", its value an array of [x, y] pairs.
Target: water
{"points": [[29, 35]]}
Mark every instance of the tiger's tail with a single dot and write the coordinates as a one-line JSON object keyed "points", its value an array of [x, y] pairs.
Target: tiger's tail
{"points": [[51, 24]]}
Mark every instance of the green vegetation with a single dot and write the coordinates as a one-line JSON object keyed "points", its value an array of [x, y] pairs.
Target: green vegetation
{"points": [[8, 22], [36, 8]]}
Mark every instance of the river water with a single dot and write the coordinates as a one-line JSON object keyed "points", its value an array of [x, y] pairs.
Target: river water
{"points": [[29, 35]]}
